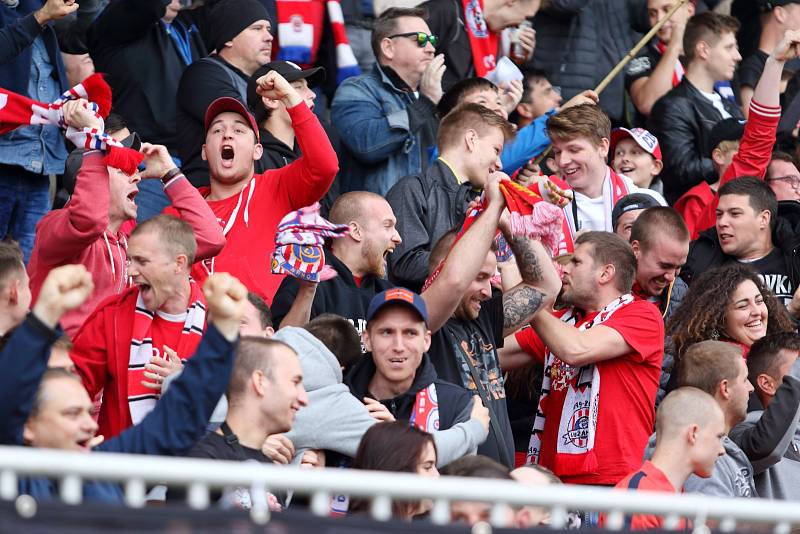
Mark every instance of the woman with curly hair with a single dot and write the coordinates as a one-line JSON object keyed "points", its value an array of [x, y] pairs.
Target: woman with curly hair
{"points": [[729, 303]]}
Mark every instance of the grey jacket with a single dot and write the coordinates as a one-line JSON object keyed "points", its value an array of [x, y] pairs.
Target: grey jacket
{"points": [[335, 420], [732, 476], [771, 440]]}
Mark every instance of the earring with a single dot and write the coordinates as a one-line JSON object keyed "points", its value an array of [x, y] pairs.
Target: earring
{"points": [[714, 334]]}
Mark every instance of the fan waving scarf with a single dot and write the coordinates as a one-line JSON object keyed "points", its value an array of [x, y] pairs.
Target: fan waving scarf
{"points": [[531, 216], [17, 111], [298, 245]]}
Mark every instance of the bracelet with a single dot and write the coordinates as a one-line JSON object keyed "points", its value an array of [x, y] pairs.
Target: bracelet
{"points": [[170, 174]]}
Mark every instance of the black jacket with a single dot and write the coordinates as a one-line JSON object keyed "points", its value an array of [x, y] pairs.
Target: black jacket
{"points": [[455, 402], [705, 252], [203, 82], [339, 295], [426, 206], [446, 21], [682, 120], [130, 43], [276, 153], [578, 42]]}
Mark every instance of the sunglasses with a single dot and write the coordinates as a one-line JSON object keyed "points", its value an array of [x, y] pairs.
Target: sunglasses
{"points": [[422, 38]]}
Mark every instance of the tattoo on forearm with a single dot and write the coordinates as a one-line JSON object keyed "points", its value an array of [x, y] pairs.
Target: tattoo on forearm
{"points": [[527, 260], [519, 305]]}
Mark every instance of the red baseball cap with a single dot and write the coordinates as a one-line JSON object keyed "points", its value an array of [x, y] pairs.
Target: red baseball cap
{"points": [[227, 103], [643, 138]]}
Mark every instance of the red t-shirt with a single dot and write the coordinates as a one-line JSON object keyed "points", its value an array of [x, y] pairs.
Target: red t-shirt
{"points": [[628, 387], [648, 478], [164, 331]]}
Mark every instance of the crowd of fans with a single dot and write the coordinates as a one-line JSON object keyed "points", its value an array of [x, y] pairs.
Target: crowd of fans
{"points": [[523, 279]]}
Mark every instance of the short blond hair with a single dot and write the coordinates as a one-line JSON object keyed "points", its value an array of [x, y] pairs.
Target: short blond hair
{"points": [[587, 121]]}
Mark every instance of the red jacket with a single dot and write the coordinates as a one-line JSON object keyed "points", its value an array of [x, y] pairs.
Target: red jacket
{"points": [[265, 200], [101, 354], [77, 234], [752, 159], [692, 206]]}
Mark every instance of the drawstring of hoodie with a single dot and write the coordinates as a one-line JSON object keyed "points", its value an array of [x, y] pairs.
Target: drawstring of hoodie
{"points": [[234, 214], [118, 284]]}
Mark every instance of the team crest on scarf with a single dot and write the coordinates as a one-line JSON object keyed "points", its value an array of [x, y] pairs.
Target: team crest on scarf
{"points": [[475, 21], [577, 432]]}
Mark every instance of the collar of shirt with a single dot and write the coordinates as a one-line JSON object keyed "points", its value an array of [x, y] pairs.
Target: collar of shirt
{"points": [[459, 179]]}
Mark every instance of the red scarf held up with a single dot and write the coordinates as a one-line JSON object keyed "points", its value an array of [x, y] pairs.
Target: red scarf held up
{"points": [[483, 41], [677, 72], [18, 110]]}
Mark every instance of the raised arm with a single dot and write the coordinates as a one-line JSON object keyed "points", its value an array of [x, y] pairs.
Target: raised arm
{"points": [[124, 21], [540, 281], [24, 358], [465, 259], [185, 199], [181, 415]]}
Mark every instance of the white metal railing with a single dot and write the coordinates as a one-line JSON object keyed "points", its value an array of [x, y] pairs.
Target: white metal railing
{"points": [[135, 472]]}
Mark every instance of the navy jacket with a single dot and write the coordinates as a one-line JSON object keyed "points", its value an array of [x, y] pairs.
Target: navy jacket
{"points": [[16, 69], [176, 423]]}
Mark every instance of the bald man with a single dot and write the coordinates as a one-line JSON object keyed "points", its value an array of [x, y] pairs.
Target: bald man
{"points": [[690, 427], [359, 260]]}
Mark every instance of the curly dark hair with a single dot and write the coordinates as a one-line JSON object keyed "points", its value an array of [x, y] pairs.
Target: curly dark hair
{"points": [[701, 315]]}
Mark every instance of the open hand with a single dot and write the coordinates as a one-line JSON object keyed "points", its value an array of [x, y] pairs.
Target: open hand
{"points": [[431, 83]]}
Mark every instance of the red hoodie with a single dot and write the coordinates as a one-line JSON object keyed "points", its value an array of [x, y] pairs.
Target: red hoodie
{"points": [[251, 217], [77, 234], [752, 159]]}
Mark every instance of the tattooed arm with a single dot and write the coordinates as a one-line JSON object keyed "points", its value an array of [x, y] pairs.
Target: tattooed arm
{"points": [[540, 282]]}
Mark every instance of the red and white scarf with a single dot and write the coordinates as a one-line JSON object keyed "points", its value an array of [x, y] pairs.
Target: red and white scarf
{"points": [[300, 25], [18, 110], [614, 188], [677, 73], [142, 400], [425, 414], [482, 40], [577, 428]]}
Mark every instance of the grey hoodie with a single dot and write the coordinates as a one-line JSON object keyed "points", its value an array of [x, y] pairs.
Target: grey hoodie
{"points": [[772, 441], [732, 476], [335, 420]]}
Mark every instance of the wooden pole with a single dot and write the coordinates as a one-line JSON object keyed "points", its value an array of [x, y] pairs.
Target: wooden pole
{"points": [[624, 61]]}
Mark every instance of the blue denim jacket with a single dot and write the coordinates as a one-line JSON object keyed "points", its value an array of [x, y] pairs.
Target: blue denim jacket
{"points": [[371, 116], [38, 149]]}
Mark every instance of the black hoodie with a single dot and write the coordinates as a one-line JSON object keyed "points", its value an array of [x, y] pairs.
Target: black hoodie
{"points": [[455, 402], [706, 253], [276, 153]]}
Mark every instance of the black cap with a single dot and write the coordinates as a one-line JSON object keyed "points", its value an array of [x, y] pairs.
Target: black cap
{"points": [[288, 70], [725, 130], [769, 5], [634, 201], [230, 18]]}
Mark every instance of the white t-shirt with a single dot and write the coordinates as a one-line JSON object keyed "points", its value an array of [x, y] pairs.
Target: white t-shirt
{"points": [[716, 100], [595, 213]]}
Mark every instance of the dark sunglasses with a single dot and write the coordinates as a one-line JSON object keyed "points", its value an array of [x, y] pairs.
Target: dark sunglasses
{"points": [[422, 38]]}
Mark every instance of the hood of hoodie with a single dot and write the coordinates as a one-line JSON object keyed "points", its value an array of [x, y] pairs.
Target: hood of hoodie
{"points": [[274, 145], [320, 366], [361, 374]]}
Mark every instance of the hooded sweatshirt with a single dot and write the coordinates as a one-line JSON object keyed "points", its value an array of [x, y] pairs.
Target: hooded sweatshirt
{"points": [[276, 154], [77, 233], [336, 420], [732, 475], [771, 440]]}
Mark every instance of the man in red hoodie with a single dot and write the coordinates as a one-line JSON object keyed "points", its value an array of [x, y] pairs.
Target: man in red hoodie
{"points": [[93, 228], [132, 341], [249, 206]]}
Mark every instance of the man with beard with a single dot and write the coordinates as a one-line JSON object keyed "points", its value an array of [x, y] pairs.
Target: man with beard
{"points": [[358, 258], [603, 350], [469, 323], [249, 206], [132, 341]]}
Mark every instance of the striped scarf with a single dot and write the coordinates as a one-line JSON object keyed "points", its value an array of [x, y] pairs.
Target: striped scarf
{"points": [[300, 25], [18, 110], [142, 400]]}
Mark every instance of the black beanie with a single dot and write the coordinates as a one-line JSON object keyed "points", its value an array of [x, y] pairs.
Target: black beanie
{"points": [[230, 17]]}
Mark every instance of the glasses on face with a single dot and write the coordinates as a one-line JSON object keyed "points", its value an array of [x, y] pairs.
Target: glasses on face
{"points": [[793, 179], [421, 38]]}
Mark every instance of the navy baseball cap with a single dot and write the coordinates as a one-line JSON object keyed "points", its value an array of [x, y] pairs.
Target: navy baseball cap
{"points": [[397, 296]]}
